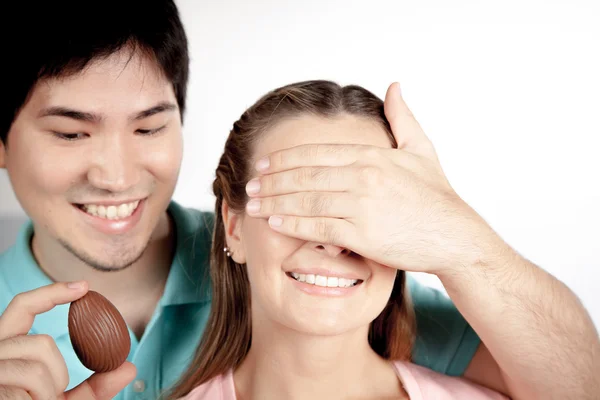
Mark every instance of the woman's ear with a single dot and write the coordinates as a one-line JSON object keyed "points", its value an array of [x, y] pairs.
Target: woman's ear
{"points": [[232, 222]]}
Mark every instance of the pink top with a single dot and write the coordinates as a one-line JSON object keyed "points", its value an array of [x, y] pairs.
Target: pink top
{"points": [[420, 383]]}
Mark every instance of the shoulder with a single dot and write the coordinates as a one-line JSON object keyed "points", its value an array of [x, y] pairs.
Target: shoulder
{"points": [[190, 220], [220, 387], [423, 383], [194, 230], [445, 341]]}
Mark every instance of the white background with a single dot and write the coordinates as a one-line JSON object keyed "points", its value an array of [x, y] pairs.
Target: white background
{"points": [[509, 92]]}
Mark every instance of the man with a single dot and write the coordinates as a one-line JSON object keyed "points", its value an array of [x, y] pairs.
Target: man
{"points": [[91, 140]]}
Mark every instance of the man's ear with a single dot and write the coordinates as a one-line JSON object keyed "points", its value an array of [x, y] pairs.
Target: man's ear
{"points": [[2, 155], [232, 223]]}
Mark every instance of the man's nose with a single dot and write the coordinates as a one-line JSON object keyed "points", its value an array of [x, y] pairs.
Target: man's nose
{"points": [[114, 165]]}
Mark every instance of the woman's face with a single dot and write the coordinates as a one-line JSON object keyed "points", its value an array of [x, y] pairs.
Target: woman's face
{"points": [[312, 287]]}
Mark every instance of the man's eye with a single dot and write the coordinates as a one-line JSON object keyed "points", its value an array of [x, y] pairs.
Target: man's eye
{"points": [[69, 136], [149, 132]]}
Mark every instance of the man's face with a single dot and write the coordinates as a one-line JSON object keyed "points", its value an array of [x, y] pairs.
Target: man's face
{"points": [[94, 158]]}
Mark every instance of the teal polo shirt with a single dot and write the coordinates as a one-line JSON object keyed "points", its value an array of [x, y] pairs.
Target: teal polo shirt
{"points": [[445, 342]]}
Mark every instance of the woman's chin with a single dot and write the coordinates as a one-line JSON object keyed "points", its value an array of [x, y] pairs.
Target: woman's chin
{"points": [[320, 325]]}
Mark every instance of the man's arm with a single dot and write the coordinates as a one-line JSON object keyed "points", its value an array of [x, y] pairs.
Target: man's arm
{"points": [[534, 327], [484, 370]]}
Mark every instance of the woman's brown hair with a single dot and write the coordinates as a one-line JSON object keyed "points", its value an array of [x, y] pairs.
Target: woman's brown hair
{"points": [[227, 338]]}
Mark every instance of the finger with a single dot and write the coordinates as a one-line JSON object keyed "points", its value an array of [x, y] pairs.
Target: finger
{"points": [[328, 179], [406, 129], [103, 386], [31, 376], [306, 204], [330, 155], [39, 348], [13, 393], [338, 232], [18, 317]]}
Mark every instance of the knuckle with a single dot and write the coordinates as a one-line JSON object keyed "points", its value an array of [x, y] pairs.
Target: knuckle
{"points": [[305, 202], [18, 366], [339, 173], [13, 393], [310, 151], [318, 174], [325, 232], [317, 150], [364, 204], [314, 205], [319, 204], [296, 225], [302, 177], [369, 174], [372, 153], [19, 301], [46, 342], [270, 184], [326, 176], [37, 370], [411, 162], [279, 159], [321, 229], [273, 205]]}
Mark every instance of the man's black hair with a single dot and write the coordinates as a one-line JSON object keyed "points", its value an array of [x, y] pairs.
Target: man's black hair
{"points": [[56, 38]]}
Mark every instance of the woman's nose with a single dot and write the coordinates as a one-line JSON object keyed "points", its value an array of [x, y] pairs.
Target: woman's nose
{"points": [[331, 250]]}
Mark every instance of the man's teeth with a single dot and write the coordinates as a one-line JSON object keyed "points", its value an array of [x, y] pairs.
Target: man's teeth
{"points": [[325, 281], [111, 212]]}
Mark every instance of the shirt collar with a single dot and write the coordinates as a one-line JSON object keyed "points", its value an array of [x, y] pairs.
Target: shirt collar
{"points": [[188, 281], [189, 278]]}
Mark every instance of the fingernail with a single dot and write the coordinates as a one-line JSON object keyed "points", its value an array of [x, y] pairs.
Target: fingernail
{"points": [[75, 285], [253, 206], [275, 221], [399, 90], [253, 186], [262, 164]]}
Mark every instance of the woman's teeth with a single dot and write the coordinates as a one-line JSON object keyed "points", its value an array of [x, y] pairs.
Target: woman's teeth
{"points": [[325, 281], [111, 212]]}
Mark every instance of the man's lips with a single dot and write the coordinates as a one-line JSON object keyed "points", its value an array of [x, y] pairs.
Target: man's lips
{"points": [[112, 220], [112, 202]]}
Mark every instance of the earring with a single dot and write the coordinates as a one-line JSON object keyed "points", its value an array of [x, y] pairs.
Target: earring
{"points": [[226, 250]]}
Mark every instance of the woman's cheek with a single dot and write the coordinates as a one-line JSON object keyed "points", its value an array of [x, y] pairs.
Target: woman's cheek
{"points": [[264, 246]]}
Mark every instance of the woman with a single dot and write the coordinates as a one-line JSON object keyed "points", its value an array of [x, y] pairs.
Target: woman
{"points": [[292, 319]]}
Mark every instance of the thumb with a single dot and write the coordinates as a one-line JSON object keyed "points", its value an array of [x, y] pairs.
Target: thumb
{"points": [[405, 128], [103, 386]]}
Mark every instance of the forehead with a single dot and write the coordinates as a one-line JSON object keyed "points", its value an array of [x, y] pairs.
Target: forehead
{"points": [[309, 129], [119, 84]]}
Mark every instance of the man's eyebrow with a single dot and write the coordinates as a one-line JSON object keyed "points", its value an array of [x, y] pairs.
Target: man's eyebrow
{"points": [[160, 107], [59, 111], [70, 113]]}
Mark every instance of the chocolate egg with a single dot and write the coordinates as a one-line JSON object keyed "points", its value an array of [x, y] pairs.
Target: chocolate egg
{"points": [[98, 333]]}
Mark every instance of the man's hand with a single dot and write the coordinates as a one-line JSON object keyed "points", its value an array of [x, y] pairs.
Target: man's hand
{"points": [[31, 366], [394, 206]]}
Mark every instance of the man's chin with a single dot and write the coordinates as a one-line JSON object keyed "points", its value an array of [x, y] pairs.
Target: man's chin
{"points": [[118, 262]]}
